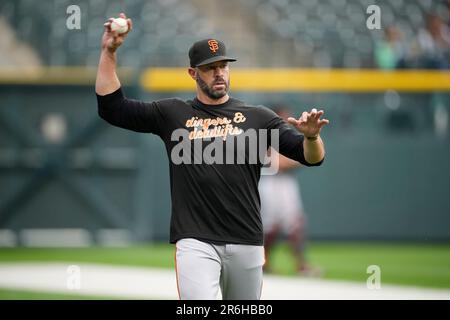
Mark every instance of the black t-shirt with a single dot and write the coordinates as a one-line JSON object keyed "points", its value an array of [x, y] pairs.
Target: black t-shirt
{"points": [[214, 188]]}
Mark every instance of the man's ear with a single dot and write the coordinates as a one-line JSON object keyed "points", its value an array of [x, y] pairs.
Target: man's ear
{"points": [[193, 73]]}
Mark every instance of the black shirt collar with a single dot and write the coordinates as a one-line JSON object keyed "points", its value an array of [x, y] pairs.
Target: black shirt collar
{"points": [[213, 106]]}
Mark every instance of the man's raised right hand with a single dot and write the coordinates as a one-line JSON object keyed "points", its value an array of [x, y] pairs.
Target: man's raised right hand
{"points": [[111, 40]]}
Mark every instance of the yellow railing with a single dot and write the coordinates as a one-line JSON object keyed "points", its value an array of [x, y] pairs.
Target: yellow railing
{"points": [[311, 80], [262, 80], [57, 75]]}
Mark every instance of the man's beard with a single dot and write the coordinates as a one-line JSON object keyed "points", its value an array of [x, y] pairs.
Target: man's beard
{"points": [[209, 91]]}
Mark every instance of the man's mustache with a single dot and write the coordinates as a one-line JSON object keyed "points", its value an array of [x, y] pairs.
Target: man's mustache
{"points": [[219, 81]]}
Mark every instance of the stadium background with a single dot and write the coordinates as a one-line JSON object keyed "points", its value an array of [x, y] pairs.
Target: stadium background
{"points": [[69, 179]]}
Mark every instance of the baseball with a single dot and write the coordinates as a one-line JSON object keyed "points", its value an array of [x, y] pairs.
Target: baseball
{"points": [[120, 25]]}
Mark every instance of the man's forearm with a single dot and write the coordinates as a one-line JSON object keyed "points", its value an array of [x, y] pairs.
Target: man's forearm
{"points": [[107, 80], [314, 150]]}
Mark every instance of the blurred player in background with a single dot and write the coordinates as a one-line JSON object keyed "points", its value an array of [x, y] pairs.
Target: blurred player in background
{"points": [[282, 210]]}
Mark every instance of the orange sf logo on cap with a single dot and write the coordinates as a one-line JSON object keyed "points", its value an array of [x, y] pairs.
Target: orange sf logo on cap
{"points": [[213, 45]]}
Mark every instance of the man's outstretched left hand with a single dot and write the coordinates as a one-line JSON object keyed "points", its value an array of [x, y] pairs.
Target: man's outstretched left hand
{"points": [[309, 123]]}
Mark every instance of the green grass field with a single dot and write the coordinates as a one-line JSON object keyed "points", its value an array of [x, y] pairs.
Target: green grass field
{"points": [[10, 294], [423, 265]]}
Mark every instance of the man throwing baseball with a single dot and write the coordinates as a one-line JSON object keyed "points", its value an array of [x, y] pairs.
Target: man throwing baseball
{"points": [[215, 223]]}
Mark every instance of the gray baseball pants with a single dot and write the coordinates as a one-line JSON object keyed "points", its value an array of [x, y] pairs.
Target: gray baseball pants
{"points": [[202, 268]]}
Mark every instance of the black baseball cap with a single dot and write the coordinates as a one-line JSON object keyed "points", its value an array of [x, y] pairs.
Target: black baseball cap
{"points": [[207, 51]]}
